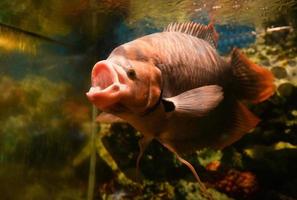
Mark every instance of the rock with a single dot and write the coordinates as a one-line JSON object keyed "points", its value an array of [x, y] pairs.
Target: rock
{"points": [[285, 89], [292, 63], [265, 63], [279, 72]]}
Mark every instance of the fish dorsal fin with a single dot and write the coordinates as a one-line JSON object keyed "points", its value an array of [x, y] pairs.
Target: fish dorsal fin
{"points": [[207, 33]]}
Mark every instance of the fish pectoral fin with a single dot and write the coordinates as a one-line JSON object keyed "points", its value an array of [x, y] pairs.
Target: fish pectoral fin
{"points": [[109, 118], [196, 102]]}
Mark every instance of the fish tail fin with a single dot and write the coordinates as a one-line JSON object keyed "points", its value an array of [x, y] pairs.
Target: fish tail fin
{"points": [[253, 82]]}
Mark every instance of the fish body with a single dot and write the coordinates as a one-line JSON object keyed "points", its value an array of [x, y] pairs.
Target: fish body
{"points": [[183, 62], [174, 87]]}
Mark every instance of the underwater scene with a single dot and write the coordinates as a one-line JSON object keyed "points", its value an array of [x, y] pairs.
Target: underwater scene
{"points": [[53, 145]]}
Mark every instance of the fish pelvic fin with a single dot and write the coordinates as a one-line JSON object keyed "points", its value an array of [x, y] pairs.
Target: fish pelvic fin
{"points": [[143, 143], [253, 82], [196, 102], [202, 187], [240, 122], [205, 32]]}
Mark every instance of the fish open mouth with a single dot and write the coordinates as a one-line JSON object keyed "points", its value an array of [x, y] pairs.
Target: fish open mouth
{"points": [[106, 87], [103, 76]]}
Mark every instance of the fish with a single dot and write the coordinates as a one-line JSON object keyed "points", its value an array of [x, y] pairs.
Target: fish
{"points": [[175, 88]]}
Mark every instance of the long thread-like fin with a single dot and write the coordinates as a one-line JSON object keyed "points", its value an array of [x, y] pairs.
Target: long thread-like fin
{"points": [[143, 144], [253, 83], [207, 33], [190, 166]]}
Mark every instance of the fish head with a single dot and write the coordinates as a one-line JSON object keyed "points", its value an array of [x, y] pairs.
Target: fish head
{"points": [[131, 85]]}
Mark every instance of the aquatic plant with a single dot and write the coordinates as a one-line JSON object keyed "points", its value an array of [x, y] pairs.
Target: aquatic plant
{"points": [[37, 110], [43, 127]]}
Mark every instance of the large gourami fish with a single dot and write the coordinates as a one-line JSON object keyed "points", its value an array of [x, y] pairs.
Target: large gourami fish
{"points": [[173, 87]]}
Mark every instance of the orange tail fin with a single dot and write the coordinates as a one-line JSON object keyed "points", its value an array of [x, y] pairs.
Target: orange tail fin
{"points": [[253, 82]]}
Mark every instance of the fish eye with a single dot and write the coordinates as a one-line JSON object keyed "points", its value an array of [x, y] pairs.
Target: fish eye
{"points": [[131, 73]]}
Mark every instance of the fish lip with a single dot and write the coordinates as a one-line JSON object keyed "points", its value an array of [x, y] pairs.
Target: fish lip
{"points": [[106, 88]]}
